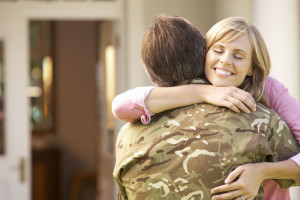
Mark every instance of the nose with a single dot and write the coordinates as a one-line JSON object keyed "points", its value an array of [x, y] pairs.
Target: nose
{"points": [[225, 59]]}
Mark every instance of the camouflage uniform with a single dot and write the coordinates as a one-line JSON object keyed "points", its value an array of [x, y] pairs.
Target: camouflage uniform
{"points": [[186, 152]]}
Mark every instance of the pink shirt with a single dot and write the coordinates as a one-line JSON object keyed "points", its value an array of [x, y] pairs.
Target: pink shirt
{"points": [[130, 106]]}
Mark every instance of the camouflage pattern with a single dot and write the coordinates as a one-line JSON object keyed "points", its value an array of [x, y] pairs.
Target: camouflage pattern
{"points": [[186, 152]]}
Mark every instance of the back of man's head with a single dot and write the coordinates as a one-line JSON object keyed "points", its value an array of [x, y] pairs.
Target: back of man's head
{"points": [[173, 50]]}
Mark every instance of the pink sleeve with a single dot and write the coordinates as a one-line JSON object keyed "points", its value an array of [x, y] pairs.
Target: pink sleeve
{"points": [[286, 106], [130, 105]]}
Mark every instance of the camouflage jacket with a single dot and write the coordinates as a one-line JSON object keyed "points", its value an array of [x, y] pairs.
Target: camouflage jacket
{"points": [[186, 152]]}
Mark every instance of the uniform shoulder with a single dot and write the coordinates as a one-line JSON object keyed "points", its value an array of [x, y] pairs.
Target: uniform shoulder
{"points": [[264, 112], [262, 109]]}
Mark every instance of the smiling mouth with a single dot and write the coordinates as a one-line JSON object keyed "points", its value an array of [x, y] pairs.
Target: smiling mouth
{"points": [[223, 72]]}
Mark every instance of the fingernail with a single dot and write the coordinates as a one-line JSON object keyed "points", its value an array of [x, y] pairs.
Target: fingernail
{"points": [[226, 180]]}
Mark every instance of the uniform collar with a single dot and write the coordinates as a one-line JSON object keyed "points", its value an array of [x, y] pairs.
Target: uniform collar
{"points": [[195, 81]]}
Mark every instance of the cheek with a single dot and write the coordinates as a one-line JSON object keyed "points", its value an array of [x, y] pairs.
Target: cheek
{"points": [[208, 61], [206, 69], [208, 57], [250, 72], [246, 69]]}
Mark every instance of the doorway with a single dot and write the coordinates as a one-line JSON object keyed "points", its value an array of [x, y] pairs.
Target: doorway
{"points": [[67, 116]]}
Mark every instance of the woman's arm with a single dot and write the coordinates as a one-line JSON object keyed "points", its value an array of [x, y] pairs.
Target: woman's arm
{"points": [[165, 98], [138, 103]]}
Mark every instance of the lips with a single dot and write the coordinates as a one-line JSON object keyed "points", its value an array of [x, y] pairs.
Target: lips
{"points": [[221, 72]]}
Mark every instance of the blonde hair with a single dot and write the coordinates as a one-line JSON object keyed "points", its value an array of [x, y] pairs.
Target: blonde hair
{"points": [[231, 28]]}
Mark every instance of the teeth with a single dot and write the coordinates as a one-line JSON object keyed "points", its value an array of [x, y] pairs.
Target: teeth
{"points": [[223, 72]]}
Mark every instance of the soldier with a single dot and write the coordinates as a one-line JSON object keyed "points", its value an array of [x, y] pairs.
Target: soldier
{"points": [[186, 152]]}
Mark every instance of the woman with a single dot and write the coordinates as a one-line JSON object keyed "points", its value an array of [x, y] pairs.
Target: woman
{"points": [[224, 62]]}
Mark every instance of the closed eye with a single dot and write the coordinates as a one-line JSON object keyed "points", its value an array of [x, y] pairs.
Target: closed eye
{"points": [[218, 50], [238, 56]]}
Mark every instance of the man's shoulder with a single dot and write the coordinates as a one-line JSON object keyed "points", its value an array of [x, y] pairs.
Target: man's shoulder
{"points": [[192, 113], [184, 112]]}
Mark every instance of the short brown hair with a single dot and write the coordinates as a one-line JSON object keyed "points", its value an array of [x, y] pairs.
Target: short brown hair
{"points": [[173, 50]]}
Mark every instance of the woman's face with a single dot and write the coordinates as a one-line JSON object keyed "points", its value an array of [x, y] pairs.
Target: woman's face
{"points": [[227, 64]]}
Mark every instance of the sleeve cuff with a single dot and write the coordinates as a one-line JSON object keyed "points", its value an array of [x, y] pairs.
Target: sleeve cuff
{"points": [[296, 159], [140, 101]]}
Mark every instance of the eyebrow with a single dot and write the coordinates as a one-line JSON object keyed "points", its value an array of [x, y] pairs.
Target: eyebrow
{"points": [[240, 50]]}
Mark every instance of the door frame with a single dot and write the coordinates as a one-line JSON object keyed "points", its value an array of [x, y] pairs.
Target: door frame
{"points": [[14, 34], [15, 17]]}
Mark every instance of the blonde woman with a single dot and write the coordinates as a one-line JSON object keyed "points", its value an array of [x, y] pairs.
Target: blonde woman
{"points": [[222, 66]]}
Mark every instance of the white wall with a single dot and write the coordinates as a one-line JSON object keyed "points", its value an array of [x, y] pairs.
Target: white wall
{"points": [[229, 8], [197, 11], [280, 29]]}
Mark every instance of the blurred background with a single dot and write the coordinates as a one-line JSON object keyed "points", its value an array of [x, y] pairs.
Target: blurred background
{"points": [[63, 61]]}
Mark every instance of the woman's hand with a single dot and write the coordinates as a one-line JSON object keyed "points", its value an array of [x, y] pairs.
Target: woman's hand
{"points": [[231, 97], [250, 177]]}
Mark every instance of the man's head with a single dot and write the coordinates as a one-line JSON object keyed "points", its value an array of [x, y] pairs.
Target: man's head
{"points": [[173, 50]]}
